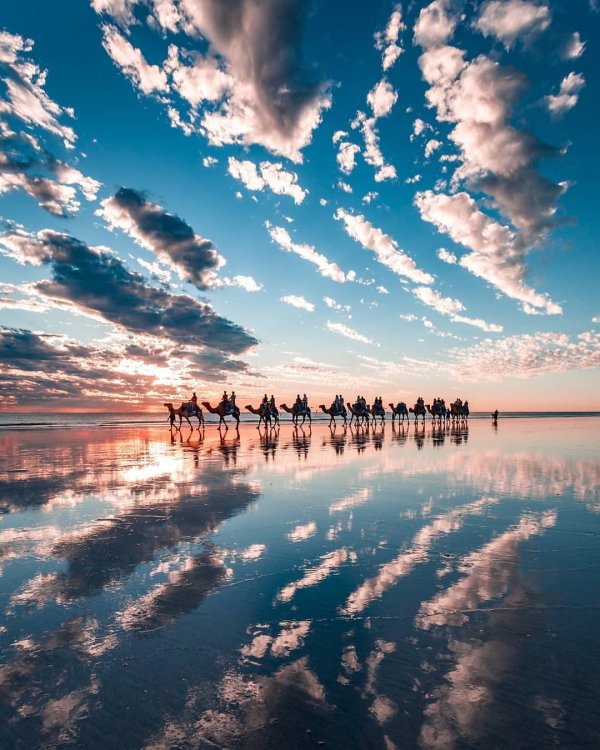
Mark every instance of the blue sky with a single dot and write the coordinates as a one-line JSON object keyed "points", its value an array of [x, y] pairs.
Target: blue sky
{"points": [[284, 196]]}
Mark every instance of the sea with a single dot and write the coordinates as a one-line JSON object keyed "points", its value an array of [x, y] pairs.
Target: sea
{"points": [[362, 588]]}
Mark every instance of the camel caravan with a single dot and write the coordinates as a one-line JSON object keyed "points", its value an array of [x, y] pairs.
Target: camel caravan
{"points": [[359, 412]]}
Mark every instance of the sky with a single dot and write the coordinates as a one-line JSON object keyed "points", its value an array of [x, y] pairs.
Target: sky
{"points": [[312, 196]]}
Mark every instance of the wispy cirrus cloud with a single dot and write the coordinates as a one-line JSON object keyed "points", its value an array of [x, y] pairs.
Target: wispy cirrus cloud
{"points": [[296, 300], [452, 308], [347, 332], [326, 268], [385, 247]]}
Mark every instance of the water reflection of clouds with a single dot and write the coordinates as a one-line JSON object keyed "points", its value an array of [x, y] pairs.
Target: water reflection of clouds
{"points": [[316, 574], [487, 575], [416, 554]]}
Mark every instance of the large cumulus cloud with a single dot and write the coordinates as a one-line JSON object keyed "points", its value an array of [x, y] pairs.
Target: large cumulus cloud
{"points": [[94, 280]]}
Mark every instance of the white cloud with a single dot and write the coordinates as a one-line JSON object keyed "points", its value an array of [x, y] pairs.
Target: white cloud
{"points": [[387, 41], [446, 256], [567, 96], [149, 78], [382, 98], [326, 268], [346, 156], [252, 74], [203, 80], [344, 186], [414, 179], [369, 197], [495, 257], [372, 153], [247, 283], [432, 298], [385, 247], [419, 126], [272, 175], [509, 20], [573, 47], [435, 24], [432, 145], [297, 301], [349, 333], [209, 161], [382, 290], [596, 319], [120, 10], [331, 303], [526, 356]]}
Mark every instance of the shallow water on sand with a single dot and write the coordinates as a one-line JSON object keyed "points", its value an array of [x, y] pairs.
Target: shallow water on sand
{"points": [[405, 587]]}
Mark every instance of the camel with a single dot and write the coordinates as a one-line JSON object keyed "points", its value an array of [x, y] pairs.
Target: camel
{"points": [[220, 410], [297, 413], [437, 412], [399, 411], [184, 412], [460, 412], [333, 413], [358, 413], [419, 411], [377, 411], [260, 412]]}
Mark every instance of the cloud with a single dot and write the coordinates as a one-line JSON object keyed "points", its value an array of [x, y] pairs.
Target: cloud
{"points": [[495, 256], [432, 145], [567, 96], [130, 60], [202, 80], [386, 41], [572, 47], [272, 175], [446, 256], [452, 309], [326, 267], [495, 157], [385, 247], [93, 280], [509, 20], [121, 10], [419, 126], [346, 156], [170, 238], [333, 305], [270, 96], [435, 24], [372, 153], [296, 300], [349, 333], [28, 119], [382, 98], [523, 356]]}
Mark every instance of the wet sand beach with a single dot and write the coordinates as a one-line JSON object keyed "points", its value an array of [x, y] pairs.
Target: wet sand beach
{"points": [[389, 587]]}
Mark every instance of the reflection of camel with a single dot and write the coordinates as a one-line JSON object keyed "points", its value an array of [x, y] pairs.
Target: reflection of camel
{"points": [[185, 411], [260, 413], [399, 411], [295, 412], [333, 413], [220, 410], [358, 413]]}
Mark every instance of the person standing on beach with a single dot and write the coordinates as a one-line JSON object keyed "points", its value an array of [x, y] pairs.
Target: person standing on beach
{"points": [[495, 416]]}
